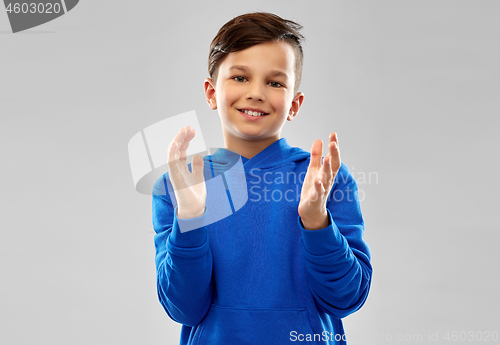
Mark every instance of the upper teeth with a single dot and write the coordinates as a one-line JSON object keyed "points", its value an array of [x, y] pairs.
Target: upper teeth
{"points": [[252, 113]]}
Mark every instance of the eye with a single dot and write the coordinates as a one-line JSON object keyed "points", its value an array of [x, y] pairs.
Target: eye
{"points": [[275, 83], [239, 78]]}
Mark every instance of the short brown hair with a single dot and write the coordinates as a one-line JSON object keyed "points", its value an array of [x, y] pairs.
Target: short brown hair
{"points": [[249, 29]]}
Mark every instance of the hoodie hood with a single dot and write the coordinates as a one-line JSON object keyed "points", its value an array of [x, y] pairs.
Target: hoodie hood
{"points": [[275, 155]]}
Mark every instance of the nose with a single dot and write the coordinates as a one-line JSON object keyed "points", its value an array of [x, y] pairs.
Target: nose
{"points": [[255, 91]]}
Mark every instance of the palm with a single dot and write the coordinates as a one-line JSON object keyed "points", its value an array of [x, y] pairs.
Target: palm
{"points": [[189, 187], [319, 180]]}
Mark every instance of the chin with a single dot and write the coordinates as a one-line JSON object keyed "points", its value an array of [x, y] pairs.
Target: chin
{"points": [[251, 136]]}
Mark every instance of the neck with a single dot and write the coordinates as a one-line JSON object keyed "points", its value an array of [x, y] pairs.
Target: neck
{"points": [[248, 148]]}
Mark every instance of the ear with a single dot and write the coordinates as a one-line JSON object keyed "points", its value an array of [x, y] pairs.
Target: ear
{"points": [[210, 93], [296, 104]]}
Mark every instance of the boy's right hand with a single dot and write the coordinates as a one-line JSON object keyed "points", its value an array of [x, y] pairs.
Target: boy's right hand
{"points": [[189, 187]]}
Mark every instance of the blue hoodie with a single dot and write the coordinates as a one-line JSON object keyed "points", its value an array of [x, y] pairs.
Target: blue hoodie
{"points": [[257, 276]]}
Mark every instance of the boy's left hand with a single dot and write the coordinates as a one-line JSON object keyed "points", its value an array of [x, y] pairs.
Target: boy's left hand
{"points": [[317, 184]]}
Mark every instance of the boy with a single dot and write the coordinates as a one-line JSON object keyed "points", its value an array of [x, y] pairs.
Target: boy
{"points": [[287, 266]]}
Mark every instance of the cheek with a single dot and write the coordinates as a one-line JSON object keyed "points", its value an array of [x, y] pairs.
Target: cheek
{"points": [[280, 103], [228, 95]]}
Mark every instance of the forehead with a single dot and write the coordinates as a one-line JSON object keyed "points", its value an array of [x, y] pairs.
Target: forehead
{"points": [[263, 57]]}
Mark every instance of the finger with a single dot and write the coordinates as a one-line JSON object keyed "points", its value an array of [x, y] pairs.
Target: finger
{"points": [[180, 135], [172, 149], [175, 155], [335, 157], [197, 167], [310, 174], [185, 142], [334, 137], [317, 191], [322, 186], [326, 170], [334, 141], [190, 132], [316, 152], [175, 145], [175, 171]]}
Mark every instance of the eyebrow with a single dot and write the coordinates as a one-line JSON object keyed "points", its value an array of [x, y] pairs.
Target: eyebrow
{"points": [[273, 73]]}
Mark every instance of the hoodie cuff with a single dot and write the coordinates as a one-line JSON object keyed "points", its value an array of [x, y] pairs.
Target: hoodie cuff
{"points": [[188, 233], [323, 241]]}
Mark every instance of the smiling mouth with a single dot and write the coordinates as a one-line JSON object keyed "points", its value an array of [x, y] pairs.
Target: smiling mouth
{"points": [[253, 113]]}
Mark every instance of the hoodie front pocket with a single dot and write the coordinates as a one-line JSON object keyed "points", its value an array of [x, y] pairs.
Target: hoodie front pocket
{"points": [[241, 326]]}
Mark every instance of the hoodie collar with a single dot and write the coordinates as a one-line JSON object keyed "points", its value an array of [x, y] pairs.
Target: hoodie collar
{"points": [[276, 154]]}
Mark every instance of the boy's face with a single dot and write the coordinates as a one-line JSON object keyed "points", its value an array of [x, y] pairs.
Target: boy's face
{"points": [[260, 78]]}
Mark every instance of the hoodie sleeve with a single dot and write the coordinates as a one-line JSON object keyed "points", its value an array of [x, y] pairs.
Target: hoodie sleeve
{"points": [[183, 260], [337, 259]]}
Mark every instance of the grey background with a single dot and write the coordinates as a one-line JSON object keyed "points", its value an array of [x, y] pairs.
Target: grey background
{"points": [[411, 87]]}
